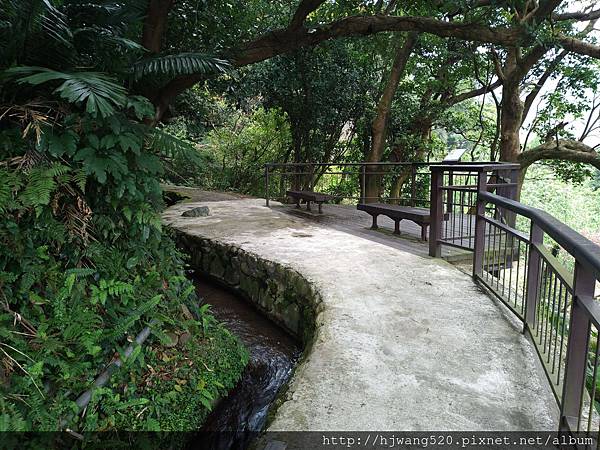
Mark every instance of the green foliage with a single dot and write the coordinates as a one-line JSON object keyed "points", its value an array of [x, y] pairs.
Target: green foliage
{"points": [[543, 189], [84, 261], [242, 147], [100, 93], [183, 384], [182, 63]]}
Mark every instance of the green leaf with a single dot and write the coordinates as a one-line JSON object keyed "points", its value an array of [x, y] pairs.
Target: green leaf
{"points": [[99, 92], [180, 64]]}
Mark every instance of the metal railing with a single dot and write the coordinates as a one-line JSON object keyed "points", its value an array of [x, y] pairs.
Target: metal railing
{"points": [[454, 190], [546, 274], [414, 178]]}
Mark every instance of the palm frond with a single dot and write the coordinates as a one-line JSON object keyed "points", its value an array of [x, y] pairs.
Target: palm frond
{"points": [[107, 35], [180, 64], [27, 24], [169, 147], [54, 22], [99, 92]]}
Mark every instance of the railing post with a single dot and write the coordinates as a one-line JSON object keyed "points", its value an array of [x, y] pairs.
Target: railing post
{"points": [[413, 186], [534, 265], [267, 194], [450, 195], [363, 170], [584, 284], [436, 213], [479, 244], [514, 176]]}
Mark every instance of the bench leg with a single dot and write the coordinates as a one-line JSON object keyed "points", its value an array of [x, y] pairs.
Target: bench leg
{"points": [[298, 203], [308, 206], [374, 226], [397, 226], [424, 232], [320, 207]]}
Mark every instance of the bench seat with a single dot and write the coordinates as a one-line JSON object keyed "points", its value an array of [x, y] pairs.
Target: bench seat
{"points": [[308, 197], [397, 213]]}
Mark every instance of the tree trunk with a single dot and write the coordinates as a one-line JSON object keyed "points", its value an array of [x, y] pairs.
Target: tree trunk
{"points": [[380, 123], [512, 111], [155, 24], [297, 157]]}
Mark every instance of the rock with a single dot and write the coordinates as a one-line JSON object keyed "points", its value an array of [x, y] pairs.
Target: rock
{"points": [[200, 211], [184, 338], [186, 312], [174, 339]]}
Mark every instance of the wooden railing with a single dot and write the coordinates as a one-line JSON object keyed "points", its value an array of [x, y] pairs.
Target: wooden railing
{"points": [[279, 177], [547, 275], [454, 190]]}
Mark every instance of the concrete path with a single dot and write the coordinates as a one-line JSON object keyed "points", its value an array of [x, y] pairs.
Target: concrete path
{"points": [[403, 341]]}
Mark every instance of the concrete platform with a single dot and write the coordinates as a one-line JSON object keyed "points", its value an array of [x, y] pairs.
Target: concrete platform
{"points": [[403, 341]]}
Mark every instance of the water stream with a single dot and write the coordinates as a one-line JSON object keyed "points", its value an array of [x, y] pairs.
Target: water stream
{"points": [[273, 353]]}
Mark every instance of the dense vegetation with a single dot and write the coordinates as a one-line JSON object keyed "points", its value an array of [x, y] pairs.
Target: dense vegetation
{"points": [[84, 262], [101, 101]]}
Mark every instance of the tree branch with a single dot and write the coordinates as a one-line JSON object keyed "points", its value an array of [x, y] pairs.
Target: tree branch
{"points": [[285, 40], [578, 46], [540, 83], [304, 9], [544, 10], [579, 16], [473, 93], [563, 150]]}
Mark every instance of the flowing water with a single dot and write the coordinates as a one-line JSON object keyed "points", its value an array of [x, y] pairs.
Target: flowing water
{"points": [[273, 353]]}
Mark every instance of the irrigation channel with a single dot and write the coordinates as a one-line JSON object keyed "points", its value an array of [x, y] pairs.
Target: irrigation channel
{"points": [[273, 354]]}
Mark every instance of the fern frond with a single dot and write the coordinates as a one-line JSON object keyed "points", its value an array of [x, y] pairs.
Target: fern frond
{"points": [[125, 323], [99, 92], [180, 64]]}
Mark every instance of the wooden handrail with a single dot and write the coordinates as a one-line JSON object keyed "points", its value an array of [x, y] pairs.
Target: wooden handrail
{"points": [[577, 245]]}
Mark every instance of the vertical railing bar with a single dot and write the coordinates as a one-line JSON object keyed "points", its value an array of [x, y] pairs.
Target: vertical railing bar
{"points": [[459, 212], [467, 217], [499, 263], [584, 283], [593, 393], [267, 194], [525, 275], [487, 252], [493, 249], [543, 300], [547, 276], [413, 176], [499, 256], [582, 394], [505, 263], [562, 333], [552, 315], [436, 210], [479, 240], [551, 276], [512, 258], [517, 277], [363, 194], [452, 195], [496, 257], [531, 284], [558, 325]]}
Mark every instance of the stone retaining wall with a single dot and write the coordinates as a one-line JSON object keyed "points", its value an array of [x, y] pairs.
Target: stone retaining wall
{"points": [[285, 296]]}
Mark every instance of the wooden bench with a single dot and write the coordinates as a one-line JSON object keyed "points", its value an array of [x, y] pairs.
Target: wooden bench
{"points": [[420, 216], [309, 196]]}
